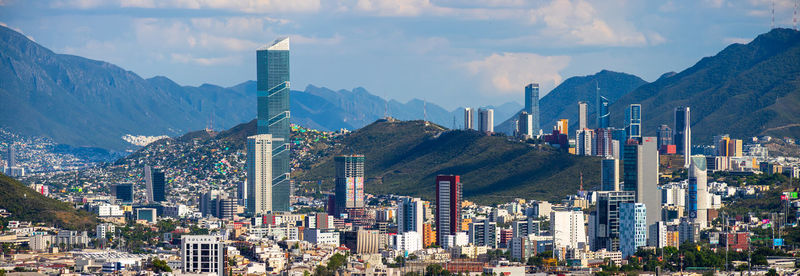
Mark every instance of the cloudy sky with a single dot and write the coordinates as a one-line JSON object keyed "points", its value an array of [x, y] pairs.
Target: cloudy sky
{"points": [[451, 52]]}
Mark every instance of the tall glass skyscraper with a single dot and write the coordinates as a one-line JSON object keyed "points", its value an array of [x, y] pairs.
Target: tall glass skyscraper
{"points": [[602, 110], [683, 133], [272, 63], [532, 105], [633, 121]]}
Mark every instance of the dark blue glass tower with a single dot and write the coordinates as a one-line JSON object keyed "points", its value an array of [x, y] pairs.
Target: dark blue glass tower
{"points": [[273, 114]]}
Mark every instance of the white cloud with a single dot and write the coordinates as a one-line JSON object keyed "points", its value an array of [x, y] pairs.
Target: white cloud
{"points": [[394, 7], [248, 6], [507, 73], [301, 39], [210, 61], [579, 22]]}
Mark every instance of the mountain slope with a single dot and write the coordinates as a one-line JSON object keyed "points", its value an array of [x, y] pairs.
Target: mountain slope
{"points": [[744, 90], [404, 158], [562, 102], [28, 205]]}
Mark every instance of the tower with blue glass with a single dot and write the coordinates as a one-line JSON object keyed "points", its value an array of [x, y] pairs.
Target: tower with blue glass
{"points": [[273, 114], [532, 105]]}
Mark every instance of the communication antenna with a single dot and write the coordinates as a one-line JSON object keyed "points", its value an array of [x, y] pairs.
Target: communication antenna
{"points": [[772, 24], [794, 16], [425, 111]]}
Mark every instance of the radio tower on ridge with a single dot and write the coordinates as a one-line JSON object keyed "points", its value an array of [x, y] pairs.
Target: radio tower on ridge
{"points": [[772, 23], [794, 15]]}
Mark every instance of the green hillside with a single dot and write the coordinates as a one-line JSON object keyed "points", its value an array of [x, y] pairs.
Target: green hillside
{"points": [[28, 205], [403, 157]]}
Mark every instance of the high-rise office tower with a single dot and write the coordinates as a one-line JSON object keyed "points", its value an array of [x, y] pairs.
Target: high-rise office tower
{"points": [[633, 227], [469, 117], [11, 156], [602, 110], [448, 206], [124, 193], [606, 233], [583, 112], [640, 175], [486, 120], [349, 182], [584, 142], [603, 142], [633, 121], [272, 64], [683, 133], [664, 136], [609, 174], [259, 173], [156, 185], [525, 125], [203, 255], [532, 105], [699, 199], [409, 215], [241, 192]]}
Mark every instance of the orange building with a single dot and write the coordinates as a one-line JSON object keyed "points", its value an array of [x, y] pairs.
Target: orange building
{"points": [[428, 235], [465, 224], [673, 239]]}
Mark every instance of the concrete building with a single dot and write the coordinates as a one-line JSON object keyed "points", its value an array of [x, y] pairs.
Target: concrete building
{"points": [[525, 126], [147, 214], [203, 254], [349, 182], [483, 233], [641, 175], [259, 173], [583, 113], [486, 120], [633, 121], [469, 118], [319, 236], [410, 217], [584, 142], [568, 229]]}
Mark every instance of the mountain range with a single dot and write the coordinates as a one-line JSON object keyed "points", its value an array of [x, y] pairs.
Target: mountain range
{"points": [[84, 102], [755, 87], [744, 90]]}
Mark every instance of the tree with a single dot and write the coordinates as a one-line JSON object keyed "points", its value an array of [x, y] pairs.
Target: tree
{"points": [[160, 266], [436, 270]]}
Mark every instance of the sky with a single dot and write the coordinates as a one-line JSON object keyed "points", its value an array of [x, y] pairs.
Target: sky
{"points": [[450, 52]]}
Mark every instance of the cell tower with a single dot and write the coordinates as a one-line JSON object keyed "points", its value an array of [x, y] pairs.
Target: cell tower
{"points": [[425, 111]]}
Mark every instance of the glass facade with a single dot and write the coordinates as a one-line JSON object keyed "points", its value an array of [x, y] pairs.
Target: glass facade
{"points": [[273, 114], [532, 105]]}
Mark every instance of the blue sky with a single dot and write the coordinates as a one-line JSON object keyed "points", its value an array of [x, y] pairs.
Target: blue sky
{"points": [[453, 53]]}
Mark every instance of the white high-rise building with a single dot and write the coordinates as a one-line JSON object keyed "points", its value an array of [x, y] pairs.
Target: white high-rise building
{"points": [[568, 229], [486, 122], [483, 233], [469, 116], [583, 108], [203, 254], [409, 242], [584, 141], [525, 125], [409, 217], [699, 200], [259, 173]]}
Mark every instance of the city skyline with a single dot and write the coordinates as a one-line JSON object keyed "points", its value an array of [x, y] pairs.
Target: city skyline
{"points": [[191, 41]]}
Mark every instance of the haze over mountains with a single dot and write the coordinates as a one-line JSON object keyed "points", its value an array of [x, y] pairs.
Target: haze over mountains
{"points": [[85, 102]]}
